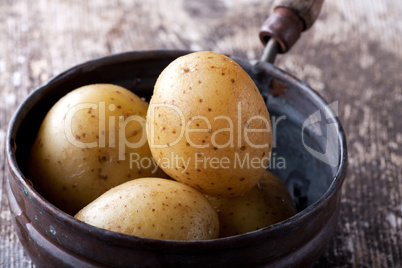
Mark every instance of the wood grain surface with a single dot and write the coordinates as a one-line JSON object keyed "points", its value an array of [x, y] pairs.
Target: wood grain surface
{"points": [[352, 55]]}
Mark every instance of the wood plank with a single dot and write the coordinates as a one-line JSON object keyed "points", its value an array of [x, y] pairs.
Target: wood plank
{"points": [[352, 55]]}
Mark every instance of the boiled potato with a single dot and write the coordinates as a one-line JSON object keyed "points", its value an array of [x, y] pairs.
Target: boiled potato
{"points": [[91, 140], [208, 125], [267, 203], [154, 208]]}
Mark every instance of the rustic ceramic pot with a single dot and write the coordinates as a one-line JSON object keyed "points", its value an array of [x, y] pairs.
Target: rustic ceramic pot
{"points": [[310, 157]]}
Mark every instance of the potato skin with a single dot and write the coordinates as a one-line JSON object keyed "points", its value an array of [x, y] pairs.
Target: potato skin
{"points": [[267, 203], [154, 208], [71, 164], [202, 105]]}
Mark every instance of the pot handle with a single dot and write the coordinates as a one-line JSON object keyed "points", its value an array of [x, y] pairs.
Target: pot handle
{"points": [[288, 20]]}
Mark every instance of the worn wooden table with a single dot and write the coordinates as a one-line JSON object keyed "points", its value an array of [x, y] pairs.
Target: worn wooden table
{"points": [[352, 54]]}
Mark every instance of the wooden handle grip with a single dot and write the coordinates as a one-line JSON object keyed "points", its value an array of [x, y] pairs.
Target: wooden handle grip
{"points": [[288, 20]]}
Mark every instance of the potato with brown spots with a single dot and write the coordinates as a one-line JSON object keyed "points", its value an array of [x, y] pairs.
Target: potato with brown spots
{"points": [[208, 125], [267, 203], [154, 208], [85, 144]]}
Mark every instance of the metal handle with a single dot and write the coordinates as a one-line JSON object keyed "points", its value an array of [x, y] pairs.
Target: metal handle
{"points": [[288, 20]]}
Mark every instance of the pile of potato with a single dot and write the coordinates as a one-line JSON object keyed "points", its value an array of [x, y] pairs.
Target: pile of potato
{"points": [[190, 166]]}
